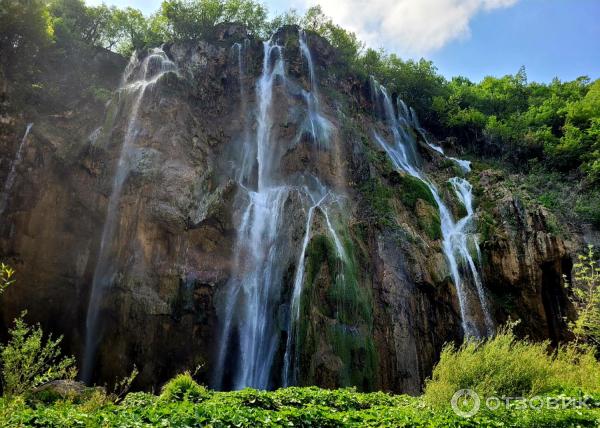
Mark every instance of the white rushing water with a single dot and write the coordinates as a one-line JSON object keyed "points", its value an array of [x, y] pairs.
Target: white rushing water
{"points": [[247, 319], [12, 173], [248, 156], [316, 124], [250, 319], [138, 78], [457, 236]]}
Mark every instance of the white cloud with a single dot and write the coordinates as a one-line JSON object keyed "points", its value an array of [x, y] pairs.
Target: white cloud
{"points": [[413, 27]]}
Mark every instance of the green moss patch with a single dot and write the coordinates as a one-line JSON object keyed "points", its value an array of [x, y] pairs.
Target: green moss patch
{"points": [[334, 305], [411, 189]]}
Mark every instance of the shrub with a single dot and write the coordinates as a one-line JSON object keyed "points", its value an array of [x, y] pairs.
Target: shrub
{"points": [[586, 298], [122, 386], [507, 366], [575, 367], [183, 388], [138, 399], [28, 361]]}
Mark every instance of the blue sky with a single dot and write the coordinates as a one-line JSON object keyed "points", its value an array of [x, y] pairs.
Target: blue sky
{"points": [[473, 38]]}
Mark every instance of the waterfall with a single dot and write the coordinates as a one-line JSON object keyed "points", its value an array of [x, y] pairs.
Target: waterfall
{"points": [[318, 200], [137, 78], [250, 331], [288, 370], [248, 153], [464, 165], [12, 174], [256, 279], [456, 234], [315, 124]]}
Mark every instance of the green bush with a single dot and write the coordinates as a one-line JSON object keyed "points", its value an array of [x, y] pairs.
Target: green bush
{"points": [[183, 388], [138, 399], [29, 361], [586, 298], [507, 366]]}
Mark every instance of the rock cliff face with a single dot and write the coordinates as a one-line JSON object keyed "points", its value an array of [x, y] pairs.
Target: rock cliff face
{"points": [[375, 308]]}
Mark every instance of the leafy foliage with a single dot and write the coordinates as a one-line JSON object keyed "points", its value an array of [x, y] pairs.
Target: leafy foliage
{"points": [[28, 360], [507, 366], [25, 29], [282, 408], [183, 388], [6, 277], [557, 123], [586, 297]]}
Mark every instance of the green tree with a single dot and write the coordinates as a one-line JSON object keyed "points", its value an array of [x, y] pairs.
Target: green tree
{"points": [[248, 12], [25, 30], [345, 42], [190, 19], [134, 31]]}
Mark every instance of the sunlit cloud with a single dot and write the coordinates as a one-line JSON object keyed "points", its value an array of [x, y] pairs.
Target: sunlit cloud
{"points": [[414, 27]]}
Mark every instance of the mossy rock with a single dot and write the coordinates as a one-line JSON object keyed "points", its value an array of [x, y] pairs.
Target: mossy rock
{"points": [[428, 219], [486, 226], [320, 249], [335, 305], [381, 161], [378, 198], [64, 389], [411, 189]]}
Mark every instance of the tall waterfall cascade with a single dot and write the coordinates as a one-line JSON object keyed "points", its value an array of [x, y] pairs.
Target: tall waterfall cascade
{"points": [[138, 80], [12, 173], [250, 332], [458, 238]]}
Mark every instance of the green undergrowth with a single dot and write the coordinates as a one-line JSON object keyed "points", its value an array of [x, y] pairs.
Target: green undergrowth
{"points": [[290, 407], [519, 383]]}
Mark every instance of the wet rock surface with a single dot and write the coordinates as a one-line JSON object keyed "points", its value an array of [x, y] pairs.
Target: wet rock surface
{"points": [[174, 247]]}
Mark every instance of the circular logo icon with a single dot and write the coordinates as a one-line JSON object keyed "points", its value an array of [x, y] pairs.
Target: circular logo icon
{"points": [[465, 403]]}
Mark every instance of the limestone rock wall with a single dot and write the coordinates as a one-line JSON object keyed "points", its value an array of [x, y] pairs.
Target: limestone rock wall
{"points": [[177, 213]]}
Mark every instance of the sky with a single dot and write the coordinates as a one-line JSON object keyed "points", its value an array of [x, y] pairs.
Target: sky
{"points": [[472, 38]]}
